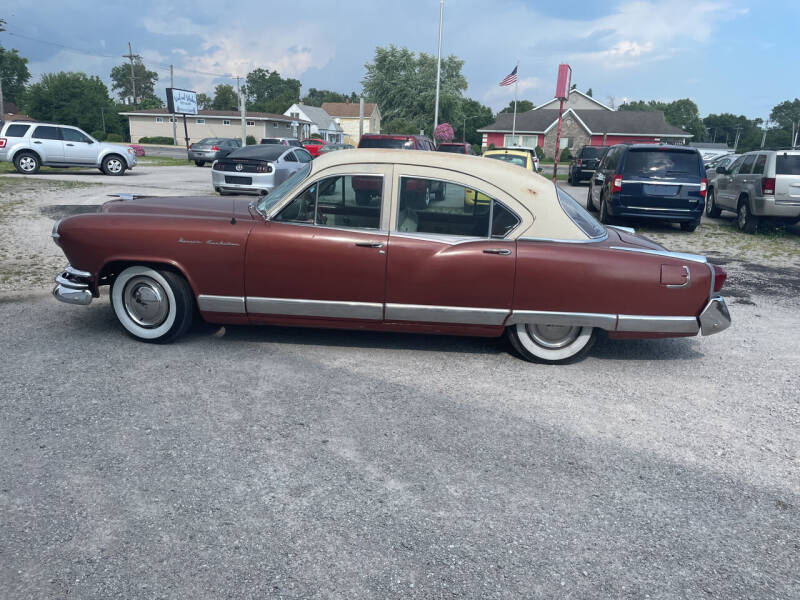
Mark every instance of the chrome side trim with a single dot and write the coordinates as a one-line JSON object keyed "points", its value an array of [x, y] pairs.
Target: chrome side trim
{"points": [[227, 304], [715, 316], [543, 317], [450, 240], [665, 253], [445, 314], [661, 183], [654, 209], [68, 283], [315, 308], [656, 324], [558, 241], [621, 228]]}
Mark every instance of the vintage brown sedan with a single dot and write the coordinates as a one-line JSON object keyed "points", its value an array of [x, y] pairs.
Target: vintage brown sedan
{"points": [[530, 262]]}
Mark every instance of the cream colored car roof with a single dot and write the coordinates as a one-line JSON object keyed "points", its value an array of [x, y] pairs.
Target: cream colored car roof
{"points": [[534, 193]]}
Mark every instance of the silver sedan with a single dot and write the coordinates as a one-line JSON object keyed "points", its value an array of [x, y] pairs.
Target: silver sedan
{"points": [[257, 169]]}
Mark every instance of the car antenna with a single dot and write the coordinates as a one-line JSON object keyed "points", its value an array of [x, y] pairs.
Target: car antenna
{"points": [[233, 211]]}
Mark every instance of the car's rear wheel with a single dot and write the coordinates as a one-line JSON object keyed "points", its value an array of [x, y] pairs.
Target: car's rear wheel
{"points": [[605, 217], [552, 344], [690, 225], [746, 221], [27, 163], [114, 165], [589, 203], [152, 305], [712, 210], [200, 163]]}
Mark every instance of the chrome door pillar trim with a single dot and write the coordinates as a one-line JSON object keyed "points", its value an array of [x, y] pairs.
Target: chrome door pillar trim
{"points": [[427, 313], [544, 317], [315, 308], [226, 304]]}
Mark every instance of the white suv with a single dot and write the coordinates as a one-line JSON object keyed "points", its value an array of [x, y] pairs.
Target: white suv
{"points": [[30, 145]]}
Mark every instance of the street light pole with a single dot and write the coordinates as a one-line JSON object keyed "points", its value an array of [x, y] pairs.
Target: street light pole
{"points": [[464, 128], [438, 67]]}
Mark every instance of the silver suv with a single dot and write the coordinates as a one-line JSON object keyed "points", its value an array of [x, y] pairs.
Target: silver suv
{"points": [[759, 184], [30, 145]]}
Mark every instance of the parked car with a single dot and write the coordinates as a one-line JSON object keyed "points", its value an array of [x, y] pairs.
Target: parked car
{"points": [[283, 141], [649, 181], [522, 157], [313, 145], [257, 169], [137, 149], [398, 142], [726, 160], [455, 147], [711, 154], [333, 146], [30, 145], [582, 165], [763, 184], [533, 263], [211, 149]]}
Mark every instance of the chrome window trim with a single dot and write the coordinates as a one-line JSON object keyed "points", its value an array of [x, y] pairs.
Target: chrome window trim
{"points": [[429, 313], [560, 241], [295, 307], [227, 304], [662, 183], [679, 255], [365, 231], [621, 228], [443, 238]]}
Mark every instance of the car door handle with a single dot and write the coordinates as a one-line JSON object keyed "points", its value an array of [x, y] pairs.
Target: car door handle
{"points": [[370, 244], [70, 144], [503, 251], [37, 142]]}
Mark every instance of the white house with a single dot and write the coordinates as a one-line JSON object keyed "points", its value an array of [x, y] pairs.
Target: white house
{"points": [[320, 122]]}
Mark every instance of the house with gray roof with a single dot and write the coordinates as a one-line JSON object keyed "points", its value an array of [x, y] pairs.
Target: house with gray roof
{"points": [[319, 122]]}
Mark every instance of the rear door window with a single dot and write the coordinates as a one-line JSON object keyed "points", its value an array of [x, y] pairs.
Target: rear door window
{"points": [[787, 164], [761, 161], [17, 130], [662, 163], [747, 165], [73, 135], [45, 132]]}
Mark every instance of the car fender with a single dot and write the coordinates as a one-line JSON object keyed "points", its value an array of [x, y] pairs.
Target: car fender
{"points": [[20, 147]]}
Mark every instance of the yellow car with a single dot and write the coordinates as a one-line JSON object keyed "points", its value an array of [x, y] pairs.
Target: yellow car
{"points": [[517, 156]]}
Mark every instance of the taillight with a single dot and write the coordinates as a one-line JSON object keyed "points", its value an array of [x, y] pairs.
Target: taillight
{"points": [[719, 277], [703, 187], [215, 148], [218, 166], [579, 163], [3, 142], [264, 168], [616, 184], [767, 185], [190, 146]]}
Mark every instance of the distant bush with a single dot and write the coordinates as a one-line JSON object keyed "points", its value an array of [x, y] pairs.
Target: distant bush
{"points": [[251, 140], [492, 146], [99, 135], [316, 136], [157, 139], [476, 148], [539, 152], [113, 137], [565, 155]]}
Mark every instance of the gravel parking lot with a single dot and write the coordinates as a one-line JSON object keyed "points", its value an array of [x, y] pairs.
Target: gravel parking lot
{"points": [[290, 463]]}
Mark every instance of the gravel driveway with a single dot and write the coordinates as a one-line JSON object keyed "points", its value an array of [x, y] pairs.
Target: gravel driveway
{"points": [[297, 463]]}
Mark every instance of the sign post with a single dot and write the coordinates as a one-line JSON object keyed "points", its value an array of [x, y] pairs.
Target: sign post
{"points": [[562, 93], [182, 102]]}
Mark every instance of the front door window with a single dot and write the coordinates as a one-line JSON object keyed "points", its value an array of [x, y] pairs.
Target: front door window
{"points": [[352, 201]]}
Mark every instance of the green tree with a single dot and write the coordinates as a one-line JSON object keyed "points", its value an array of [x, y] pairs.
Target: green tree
{"points": [[477, 116], [723, 128], [15, 74], [680, 113], [267, 91], [145, 81], [787, 116], [522, 106], [225, 98], [72, 99], [589, 92], [403, 84], [316, 97], [204, 102]]}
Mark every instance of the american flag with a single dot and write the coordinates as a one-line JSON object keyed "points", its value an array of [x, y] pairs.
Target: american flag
{"points": [[510, 78]]}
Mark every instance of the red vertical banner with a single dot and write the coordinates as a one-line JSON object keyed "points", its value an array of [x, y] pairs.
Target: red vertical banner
{"points": [[563, 83]]}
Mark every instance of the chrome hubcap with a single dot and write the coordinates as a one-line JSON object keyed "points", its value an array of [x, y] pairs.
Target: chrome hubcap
{"points": [[145, 302], [26, 163], [114, 165], [553, 336]]}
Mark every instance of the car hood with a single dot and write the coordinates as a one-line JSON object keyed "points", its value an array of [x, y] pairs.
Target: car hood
{"points": [[209, 207]]}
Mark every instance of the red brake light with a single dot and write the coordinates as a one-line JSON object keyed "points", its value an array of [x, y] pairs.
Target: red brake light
{"points": [[616, 184], [264, 168], [214, 148], [703, 187], [767, 185], [579, 163], [719, 277], [190, 146], [3, 142]]}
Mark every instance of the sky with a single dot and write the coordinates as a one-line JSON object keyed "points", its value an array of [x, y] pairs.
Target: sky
{"points": [[726, 55]]}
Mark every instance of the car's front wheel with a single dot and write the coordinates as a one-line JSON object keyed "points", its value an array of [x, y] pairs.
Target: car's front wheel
{"points": [[199, 163], [551, 344], [27, 163], [152, 305], [114, 165]]}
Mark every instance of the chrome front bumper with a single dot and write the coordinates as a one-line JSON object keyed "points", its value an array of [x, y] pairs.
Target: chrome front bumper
{"points": [[72, 286], [715, 316]]}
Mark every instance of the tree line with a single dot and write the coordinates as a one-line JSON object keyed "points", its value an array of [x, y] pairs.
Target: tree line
{"points": [[399, 80]]}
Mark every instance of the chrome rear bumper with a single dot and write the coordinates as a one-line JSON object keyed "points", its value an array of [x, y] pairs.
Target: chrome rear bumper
{"points": [[715, 316], [72, 286]]}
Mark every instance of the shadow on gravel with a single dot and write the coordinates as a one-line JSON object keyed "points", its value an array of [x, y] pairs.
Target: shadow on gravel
{"points": [[59, 211]]}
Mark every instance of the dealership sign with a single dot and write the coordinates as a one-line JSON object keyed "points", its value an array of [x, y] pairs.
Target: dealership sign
{"points": [[181, 102]]}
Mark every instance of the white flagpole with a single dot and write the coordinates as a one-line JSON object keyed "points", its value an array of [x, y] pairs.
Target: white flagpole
{"points": [[514, 122]]}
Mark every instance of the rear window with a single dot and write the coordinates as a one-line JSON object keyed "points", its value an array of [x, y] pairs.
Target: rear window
{"points": [[591, 152], [398, 143], [662, 163], [271, 141], [787, 164], [17, 130], [259, 152], [580, 216], [451, 148], [514, 159]]}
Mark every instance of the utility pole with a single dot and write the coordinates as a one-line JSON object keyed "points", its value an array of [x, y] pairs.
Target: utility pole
{"points": [[2, 105], [764, 134], [174, 121], [103, 118], [242, 111], [361, 117], [736, 142], [438, 68], [131, 56]]}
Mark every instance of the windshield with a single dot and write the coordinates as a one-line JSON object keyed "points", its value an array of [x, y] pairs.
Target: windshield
{"points": [[579, 216], [207, 141], [451, 148], [399, 143], [514, 159], [662, 163], [591, 151], [267, 202]]}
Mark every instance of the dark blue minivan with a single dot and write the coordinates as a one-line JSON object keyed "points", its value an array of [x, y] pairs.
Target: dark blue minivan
{"points": [[650, 181]]}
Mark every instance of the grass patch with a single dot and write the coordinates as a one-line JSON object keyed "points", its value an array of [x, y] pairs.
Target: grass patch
{"points": [[162, 161], [7, 167]]}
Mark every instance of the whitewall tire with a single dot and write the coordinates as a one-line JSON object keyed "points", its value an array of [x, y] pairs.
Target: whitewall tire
{"points": [[152, 305], [551, 343]]}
